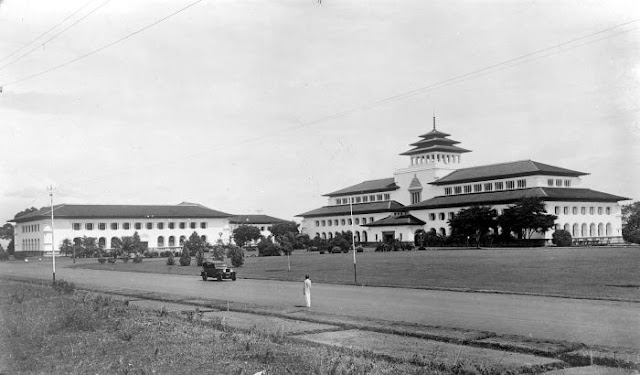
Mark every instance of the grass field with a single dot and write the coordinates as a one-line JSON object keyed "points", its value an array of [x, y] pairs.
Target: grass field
{"points": [[43, 331], [590, 272]]}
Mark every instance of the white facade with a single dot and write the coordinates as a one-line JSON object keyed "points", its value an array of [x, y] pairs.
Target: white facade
{"points": [[588, 215], [158, 234]]}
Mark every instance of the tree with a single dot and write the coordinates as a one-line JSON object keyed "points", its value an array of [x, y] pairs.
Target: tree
{"points": [[66, 247], [6, 232], [11, 248], [473, 222], [280, 228], [90, 246], [25, 212], [245, 233], [631, 222], [128, 244], [526, 218], [195, 244]]}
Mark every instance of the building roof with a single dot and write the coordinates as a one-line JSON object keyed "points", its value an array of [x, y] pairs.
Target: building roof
{"points": [[254, 219], [95, 211], [435, 147], [371, 186], [360, 208], [504, 170], [396, 220], [435, 141], [512, 196]]}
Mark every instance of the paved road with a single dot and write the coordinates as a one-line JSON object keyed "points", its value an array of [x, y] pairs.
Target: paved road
{"points": [[587, 321]]}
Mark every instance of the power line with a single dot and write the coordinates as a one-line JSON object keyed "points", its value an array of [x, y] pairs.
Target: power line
{"points": [[552, 50], [49, 30], [31, 76], [54, 36]]}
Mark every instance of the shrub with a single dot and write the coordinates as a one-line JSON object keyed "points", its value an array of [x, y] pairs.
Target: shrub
{"points": [[266, 248], [125, 258], [185, 257], [171, 260], [336, 249], [19, 255], [237, 256], [137, 259], [632, 236], [3, 255], [111, 260], [102, 260], [359, 249], [155, 254], [561, 238], [185, 261]]}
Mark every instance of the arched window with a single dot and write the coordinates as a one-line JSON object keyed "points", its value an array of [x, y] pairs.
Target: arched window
{"points": [[583, 231], [330, 235], [574, 232], [114, 240], [203, 238], [600, 230], [77, 241], [172, 241], [592, 230], [160, 241], [102, 242], [609, 229], [357, 236], [364, 236], [183, 239], [443, 231], [567, 228], [324, 236]]}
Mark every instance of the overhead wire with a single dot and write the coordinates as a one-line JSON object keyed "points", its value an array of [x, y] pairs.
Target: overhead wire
{"points": [[552, 50], [93, 52], [48, 31], [494, 68], [510, 63], [54, 36]]}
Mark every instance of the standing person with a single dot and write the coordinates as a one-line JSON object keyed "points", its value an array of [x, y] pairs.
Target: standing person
{"points": [[306, 290]]}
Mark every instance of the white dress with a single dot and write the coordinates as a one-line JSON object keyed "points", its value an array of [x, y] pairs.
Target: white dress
{"points": [[306, 291]]}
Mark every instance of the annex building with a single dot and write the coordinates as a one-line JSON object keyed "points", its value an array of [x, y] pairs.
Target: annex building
{"points": [[160, 227], [434, 186]]}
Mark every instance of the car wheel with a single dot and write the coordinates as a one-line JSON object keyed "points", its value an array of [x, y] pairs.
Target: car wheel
{"points": [[204, 277], [233, 277], [219, 277]]}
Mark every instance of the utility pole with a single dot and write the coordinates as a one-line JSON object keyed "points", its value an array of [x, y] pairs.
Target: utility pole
{"points": [[353, 242], [53, 243]]}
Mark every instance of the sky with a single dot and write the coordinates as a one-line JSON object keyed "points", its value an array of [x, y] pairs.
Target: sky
{"points": [[260, 107]]}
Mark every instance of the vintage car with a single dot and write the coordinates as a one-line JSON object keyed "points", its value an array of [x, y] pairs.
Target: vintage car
{"points": [[217, 271]]}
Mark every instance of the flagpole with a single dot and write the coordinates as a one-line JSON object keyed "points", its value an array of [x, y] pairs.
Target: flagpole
{"points": [[353, 241]]}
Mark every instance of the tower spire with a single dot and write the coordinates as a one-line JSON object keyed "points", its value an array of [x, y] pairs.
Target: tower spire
{"points": [[434, 119]]}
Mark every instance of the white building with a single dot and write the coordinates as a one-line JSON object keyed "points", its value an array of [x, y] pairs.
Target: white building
{"points": [[161, 227], [262, 222], [427, 193]]}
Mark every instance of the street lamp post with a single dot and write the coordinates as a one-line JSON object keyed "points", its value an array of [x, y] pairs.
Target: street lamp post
{"points": [[353, 241], [53, 243]]}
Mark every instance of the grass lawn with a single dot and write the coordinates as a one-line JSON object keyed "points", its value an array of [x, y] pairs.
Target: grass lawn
{"points": [[591, 272], [47, 332]]}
